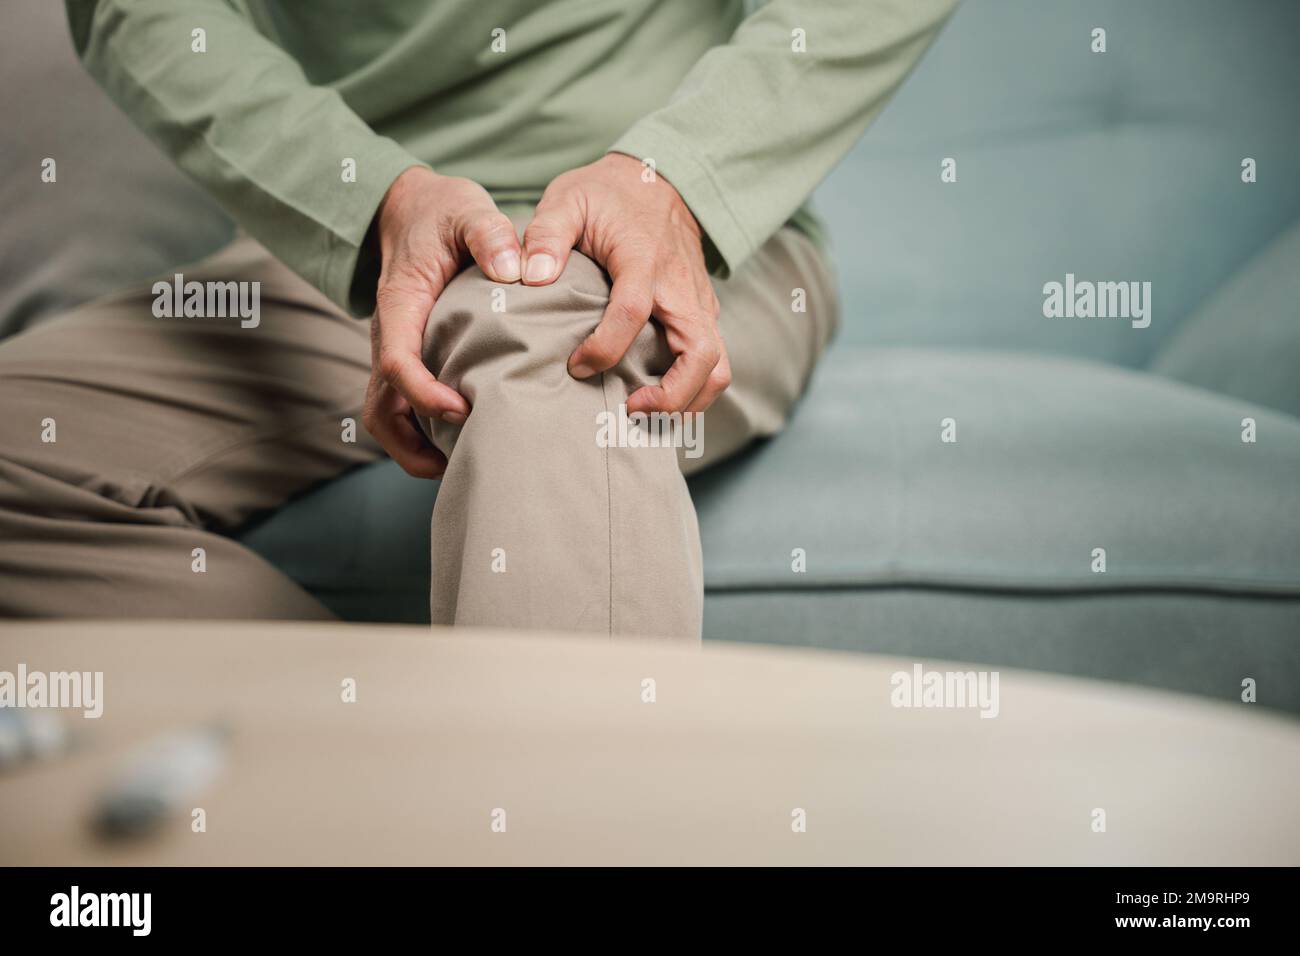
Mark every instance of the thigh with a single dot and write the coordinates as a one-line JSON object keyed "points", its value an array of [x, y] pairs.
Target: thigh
{"points": [[215, 416], [778, 312]]}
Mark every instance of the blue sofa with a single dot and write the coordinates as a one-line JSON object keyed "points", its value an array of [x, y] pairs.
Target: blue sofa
{"points": [[1078, 440], [1072, 434]]}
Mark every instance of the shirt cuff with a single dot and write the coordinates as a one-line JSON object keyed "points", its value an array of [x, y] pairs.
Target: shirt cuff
{"points": [[350, 265]]}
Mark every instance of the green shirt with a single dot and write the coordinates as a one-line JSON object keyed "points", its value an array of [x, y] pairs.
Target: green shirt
{"points": [[298, 114]]}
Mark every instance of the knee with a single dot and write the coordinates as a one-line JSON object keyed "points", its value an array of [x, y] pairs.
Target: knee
{"points": [[516, 328], [505, 348]]}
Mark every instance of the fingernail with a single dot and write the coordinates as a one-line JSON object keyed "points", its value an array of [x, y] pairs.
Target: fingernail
{"points": [[506, 266], [578, 370], [540, 268], [453, 418]]}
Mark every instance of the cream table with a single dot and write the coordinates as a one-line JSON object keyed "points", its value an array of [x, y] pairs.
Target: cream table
{"points": [[466, 747]]}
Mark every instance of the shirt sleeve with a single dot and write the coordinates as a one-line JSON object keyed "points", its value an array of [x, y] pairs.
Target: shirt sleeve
{"points": [[761, 120], [236, 112]]}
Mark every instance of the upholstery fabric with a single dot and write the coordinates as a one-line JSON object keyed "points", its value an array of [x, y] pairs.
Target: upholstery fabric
{"points": [[1117, 165], [1245, 341]]}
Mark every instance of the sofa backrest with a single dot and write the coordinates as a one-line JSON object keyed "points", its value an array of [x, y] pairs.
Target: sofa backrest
{"points": [[1117, 166]]}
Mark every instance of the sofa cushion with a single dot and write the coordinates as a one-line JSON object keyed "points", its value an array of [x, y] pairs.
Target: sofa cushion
{"points": [[1123, 165], [983, 549], [360, 543], [1052, 459], [118, 211], [1245, 341]]}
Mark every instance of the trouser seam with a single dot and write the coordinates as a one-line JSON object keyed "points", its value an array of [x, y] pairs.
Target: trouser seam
{"points": [[609, 509]]}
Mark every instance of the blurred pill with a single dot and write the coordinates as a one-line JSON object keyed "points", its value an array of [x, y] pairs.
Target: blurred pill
{"points": [[159, 781], [30, 735], [11, 738]]}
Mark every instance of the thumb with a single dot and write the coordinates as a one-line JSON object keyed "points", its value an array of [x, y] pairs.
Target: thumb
{"points": [[549, 239], [490, 237]]}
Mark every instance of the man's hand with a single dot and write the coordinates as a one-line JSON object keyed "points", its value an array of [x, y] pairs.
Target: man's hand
{"points": [[649, 243], [428, 227]]}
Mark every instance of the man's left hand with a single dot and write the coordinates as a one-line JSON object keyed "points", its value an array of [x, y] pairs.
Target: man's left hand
{"points": [[641, 231]]}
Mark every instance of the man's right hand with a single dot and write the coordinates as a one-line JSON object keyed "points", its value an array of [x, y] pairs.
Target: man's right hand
{"points": [[429, 227]]}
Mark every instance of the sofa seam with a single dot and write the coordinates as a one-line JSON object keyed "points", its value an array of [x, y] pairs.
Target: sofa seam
{"points": [[1244, 591]]}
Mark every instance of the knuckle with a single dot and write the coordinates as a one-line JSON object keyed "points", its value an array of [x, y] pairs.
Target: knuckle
{"points": [[542, 236], [686, 312], [633, 306], [710, 351], [678, 396], [658, 399], [479, 233], [490, 229]]}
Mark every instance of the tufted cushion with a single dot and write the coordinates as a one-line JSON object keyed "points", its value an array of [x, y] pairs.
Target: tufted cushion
{"points": [[1116, 166]]}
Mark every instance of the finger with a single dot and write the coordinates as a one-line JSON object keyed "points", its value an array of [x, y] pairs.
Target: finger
{"points": [[550, 237], [630, 302], [490, 238], [391, 425], [428, 396], [399, 339], [714, 385], [407, 446], [720, 378], [682, 382]]}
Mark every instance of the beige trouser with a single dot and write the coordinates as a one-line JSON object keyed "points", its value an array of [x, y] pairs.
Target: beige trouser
{"points": [[168, 432]]}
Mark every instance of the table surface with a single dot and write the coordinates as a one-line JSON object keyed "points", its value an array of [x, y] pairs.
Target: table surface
{"points": [[449, 728]]}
